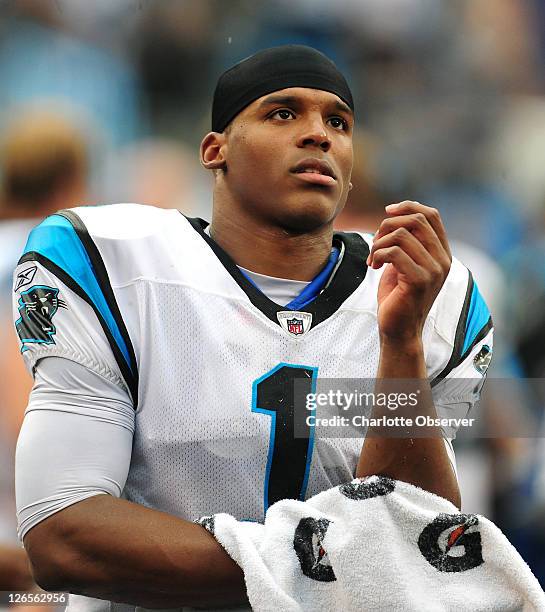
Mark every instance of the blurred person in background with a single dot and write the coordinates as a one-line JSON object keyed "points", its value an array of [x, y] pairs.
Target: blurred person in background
{"points": [[43, 58], [489, 468], [159, 172], [43, 166]]}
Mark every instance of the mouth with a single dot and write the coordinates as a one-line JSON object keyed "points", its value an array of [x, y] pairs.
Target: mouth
{"points": [[316, 171]]}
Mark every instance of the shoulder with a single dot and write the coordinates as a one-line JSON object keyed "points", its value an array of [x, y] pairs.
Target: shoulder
{"points": [[113, 230], [122, 221], [111, 221], [460, 308], [459, 319], [448, 305]]}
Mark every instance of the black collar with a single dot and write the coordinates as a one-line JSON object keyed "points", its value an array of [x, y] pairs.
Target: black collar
{"points": [[346, 280]]}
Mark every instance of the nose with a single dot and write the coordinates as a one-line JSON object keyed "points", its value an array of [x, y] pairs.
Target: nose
{"points": [[314, 134]]}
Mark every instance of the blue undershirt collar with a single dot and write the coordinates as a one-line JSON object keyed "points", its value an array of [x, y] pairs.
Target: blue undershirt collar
{"points": [[312, 290]]}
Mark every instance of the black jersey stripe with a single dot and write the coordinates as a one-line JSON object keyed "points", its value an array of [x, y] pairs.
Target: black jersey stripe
{"points": [[104, 281], [130, 379], [347, 278], [457, 356]]}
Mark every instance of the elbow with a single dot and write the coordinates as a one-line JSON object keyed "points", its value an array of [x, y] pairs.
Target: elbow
{"points": [[48, 569], [49, 581], [61, 552], [52, 561]]}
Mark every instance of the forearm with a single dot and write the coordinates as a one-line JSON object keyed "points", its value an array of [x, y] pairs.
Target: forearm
{"points": [[110, 548], [422, 461], [14, 570]]}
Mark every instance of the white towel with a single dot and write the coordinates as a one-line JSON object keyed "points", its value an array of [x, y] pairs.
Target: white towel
{"points": [[377, 544]]}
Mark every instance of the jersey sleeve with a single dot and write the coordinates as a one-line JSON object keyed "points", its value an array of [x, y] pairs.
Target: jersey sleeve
{"points": [[75, 441], [64, 305], [464, 330]]}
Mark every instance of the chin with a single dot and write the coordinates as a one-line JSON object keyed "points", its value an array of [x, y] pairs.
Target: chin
{"points": [[305, 217]]}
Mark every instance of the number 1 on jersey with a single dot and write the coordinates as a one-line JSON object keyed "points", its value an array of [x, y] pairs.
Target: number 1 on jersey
{"points": [[289, 458]]}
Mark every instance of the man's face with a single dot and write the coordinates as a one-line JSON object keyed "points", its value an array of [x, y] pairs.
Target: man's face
{"points": [[289, 158]]}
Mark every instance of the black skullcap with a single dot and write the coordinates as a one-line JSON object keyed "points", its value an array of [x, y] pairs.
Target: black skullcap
{"points": [[270, 70]]}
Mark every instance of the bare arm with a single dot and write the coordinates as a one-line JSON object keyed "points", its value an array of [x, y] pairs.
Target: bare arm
{"points": [[113, 549], [103, 546], [417, 460], [14, 570], [412, 243]]}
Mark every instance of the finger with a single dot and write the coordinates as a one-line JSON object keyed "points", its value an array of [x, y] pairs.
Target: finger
{"points": [[405, 265], [417, 225], [403, 238], [432, 215]]}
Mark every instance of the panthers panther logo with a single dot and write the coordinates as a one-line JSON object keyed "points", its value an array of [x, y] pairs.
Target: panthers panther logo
{"points": [[37, 306]]}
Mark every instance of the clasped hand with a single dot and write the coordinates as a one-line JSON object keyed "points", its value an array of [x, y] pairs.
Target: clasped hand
{"points": [[413, 244]]}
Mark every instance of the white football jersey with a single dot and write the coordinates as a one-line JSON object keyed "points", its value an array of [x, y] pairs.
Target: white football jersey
{"points": [[144, 297]]}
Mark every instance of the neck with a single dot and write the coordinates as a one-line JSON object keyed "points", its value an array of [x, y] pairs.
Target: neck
{"points": [[272, 250]]}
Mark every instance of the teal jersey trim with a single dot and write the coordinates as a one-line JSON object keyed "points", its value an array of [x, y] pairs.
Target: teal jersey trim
{"points": [[478, 316], [473, 325]]}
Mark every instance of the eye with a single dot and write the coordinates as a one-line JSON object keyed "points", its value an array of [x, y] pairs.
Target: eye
{"points": [[339, 123], [283, 114]]}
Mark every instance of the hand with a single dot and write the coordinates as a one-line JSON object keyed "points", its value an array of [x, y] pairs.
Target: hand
{"points": [[413, 243]]}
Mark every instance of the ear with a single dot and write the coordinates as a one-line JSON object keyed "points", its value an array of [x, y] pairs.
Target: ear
{"points": [[213, 149]]}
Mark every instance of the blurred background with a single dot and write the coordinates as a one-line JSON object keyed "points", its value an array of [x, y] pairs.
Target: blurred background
{"points": [[107, 101]]}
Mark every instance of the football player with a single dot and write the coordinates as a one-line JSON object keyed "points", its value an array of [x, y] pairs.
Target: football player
{"points": [[166, 351]]}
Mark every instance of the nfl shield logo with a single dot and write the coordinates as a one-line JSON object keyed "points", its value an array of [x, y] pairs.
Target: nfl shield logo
{"points": [[294, 323], [295, 326]]}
